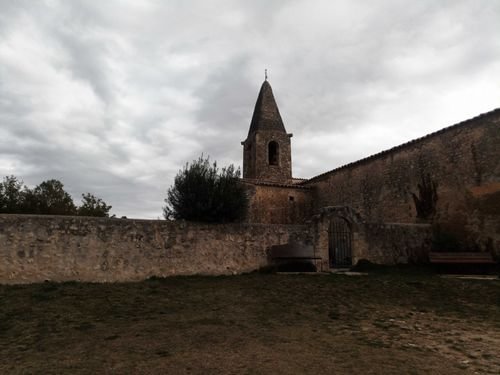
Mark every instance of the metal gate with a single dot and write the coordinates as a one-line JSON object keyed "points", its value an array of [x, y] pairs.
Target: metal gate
{"points": [[339, 243]]}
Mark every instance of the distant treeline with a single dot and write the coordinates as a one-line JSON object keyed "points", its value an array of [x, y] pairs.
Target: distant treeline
{"points": [[47, 198]]}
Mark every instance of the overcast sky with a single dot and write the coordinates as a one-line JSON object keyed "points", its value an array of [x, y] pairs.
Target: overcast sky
{"points": [[114, 97]]}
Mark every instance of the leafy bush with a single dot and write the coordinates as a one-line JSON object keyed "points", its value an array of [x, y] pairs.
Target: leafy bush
{"points": [[203, 192], [93, 206]]}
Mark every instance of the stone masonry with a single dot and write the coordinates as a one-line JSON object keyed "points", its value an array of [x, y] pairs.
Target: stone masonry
{"points": [[63, 248], [392, 202], [262, 161], [460, 164]]}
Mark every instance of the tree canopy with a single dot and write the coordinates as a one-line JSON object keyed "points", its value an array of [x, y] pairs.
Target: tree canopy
{"points": [[47, 198], [203, 192], [93, 206], [12, 197], [50, 198]]}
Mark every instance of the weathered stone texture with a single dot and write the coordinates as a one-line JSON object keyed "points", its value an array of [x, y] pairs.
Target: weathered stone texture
{"points": [[381, 243], [61, 248], [267, 127], [255, 157], [278, 204], [393, 243], [464, 162], [266, 114]]}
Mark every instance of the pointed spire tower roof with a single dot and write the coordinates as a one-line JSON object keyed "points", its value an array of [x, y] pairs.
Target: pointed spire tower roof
{"points": [[266, 115]]}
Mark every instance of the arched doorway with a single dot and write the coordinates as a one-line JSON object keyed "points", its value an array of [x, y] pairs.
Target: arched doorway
{"points": [[339, 242]]}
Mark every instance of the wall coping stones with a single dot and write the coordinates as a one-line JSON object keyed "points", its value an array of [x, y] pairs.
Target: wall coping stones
{"points": [[155, 221]]}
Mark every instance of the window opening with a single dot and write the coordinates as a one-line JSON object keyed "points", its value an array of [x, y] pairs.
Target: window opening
{"points": [[273, 153]]}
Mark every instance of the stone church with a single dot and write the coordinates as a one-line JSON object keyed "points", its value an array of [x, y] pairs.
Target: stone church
{"points": [[447, 182], [438, 192]]}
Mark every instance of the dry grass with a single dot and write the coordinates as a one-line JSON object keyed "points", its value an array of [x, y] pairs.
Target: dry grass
{"points": [[389, 322]]}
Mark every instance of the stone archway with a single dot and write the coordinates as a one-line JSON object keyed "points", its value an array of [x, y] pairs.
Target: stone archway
{"points": [[337, 239]]}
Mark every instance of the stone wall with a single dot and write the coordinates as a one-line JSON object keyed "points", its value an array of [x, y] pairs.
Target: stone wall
{"points": [[278, 203], [62, 248], [394, 243], [462, 161], [381, 243], [256, 157]]}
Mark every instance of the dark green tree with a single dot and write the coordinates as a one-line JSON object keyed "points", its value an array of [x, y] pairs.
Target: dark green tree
{"points": [[50, 198], [11, 195], [202, 192], [93, 206]]}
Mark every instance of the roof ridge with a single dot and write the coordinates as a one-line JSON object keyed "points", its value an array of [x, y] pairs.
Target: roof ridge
{"points": [[470, 121]]}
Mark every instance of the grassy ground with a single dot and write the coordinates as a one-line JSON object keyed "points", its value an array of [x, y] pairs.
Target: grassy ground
{"points": [[389, 322]]}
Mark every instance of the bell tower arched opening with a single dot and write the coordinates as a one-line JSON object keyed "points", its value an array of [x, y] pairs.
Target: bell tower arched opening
{"points": [[273, 150]]}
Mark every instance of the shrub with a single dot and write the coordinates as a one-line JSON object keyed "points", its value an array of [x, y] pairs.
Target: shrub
{"points": [[203, 192], [93, 206]]}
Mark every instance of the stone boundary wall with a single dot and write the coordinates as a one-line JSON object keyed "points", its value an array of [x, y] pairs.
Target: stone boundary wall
{"points": [[380, 243], [394, 243], [64, 248]]}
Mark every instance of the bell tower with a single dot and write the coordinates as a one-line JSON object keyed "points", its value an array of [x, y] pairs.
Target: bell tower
{"points": [[267, 150]]}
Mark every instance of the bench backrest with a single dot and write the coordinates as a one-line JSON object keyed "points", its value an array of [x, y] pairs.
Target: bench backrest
{"points": [[468, 257]]}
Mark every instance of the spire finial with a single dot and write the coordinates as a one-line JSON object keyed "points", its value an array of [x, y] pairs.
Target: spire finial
{"points": [[265, 74]]}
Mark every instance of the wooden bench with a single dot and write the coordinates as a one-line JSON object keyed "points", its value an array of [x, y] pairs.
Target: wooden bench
{"points": [[461, 258], [294, 256], [463, 263]]}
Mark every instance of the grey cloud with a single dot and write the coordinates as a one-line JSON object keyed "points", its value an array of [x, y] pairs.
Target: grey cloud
{"points": [[114, 97]]}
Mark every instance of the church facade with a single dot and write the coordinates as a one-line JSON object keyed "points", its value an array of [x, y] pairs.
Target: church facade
{"points": [[449, 179]]}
